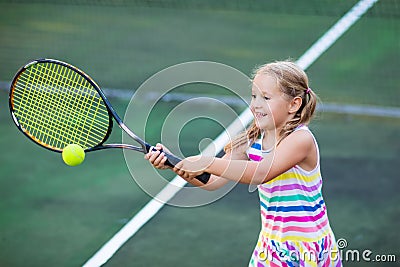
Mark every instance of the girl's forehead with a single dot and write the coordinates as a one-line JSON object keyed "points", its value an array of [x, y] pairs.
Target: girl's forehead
{"points": [[265, 83]]}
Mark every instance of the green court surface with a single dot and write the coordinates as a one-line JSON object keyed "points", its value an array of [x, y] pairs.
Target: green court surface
{"points": [[54, 215]]}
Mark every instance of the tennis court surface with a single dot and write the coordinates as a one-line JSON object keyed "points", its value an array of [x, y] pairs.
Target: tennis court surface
{"points": [[54, 215]]}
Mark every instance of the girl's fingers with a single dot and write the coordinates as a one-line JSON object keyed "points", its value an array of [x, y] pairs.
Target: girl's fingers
{"points": [[156, 158], [159, 159], [162, 147], [153, 156], [159, 146], [164, 160]]}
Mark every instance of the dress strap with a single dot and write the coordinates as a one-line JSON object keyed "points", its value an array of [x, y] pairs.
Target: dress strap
{"points": [[305, 128]]}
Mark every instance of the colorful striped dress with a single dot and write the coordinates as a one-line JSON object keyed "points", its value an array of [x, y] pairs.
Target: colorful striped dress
{"points": [[295, 228]]}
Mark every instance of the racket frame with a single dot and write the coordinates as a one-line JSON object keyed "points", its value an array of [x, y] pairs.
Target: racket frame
{"points": [[112, 114]]}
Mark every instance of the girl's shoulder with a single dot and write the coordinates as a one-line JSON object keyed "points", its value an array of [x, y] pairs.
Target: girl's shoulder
{"points": [[304, 140], [302, 127], [301, 134], [306, 131]]}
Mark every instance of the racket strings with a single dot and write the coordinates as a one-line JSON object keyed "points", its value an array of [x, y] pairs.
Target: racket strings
{"points": [[81, 105], [55, 127], [51, 126], [56, 106], [37, 131], [82, 116], [30, 116]]}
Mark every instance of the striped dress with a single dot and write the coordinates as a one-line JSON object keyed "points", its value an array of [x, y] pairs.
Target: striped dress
{"points": [[295, 228]]}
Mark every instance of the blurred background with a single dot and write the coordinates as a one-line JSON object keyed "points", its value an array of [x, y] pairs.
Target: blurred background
{"points": [[54, 215]]}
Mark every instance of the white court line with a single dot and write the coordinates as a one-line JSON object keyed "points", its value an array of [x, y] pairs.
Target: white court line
{"points": [[151, 209], [334, 33]]}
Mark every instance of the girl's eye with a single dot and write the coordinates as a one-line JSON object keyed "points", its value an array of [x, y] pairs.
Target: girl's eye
{"points": [[253, 96], [266, 98]]}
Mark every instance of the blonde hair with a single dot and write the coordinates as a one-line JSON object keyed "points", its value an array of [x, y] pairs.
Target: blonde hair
{"points": [[293, 82]]}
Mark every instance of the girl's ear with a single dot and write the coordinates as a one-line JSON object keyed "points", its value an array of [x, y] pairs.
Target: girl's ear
{"points": [[295, 104]]}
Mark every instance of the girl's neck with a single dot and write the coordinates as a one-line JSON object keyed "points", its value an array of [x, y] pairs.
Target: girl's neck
{"points": [[269, 140]]}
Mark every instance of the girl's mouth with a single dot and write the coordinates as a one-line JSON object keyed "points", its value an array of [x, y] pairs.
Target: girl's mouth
{"points": [[259, 115]]}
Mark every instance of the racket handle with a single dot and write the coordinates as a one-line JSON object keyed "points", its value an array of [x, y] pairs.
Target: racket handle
{"points": [[172, 160]]}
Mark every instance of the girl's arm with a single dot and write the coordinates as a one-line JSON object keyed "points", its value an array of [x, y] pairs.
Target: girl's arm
{"points": [[158, 160], [215, 181], [292, 150]]}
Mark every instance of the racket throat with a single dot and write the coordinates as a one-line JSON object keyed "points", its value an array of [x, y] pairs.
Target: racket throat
{"points": [[146, 147]]}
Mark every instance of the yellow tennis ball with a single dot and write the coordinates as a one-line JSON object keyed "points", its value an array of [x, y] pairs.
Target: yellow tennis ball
{"points": [[73, 154]]}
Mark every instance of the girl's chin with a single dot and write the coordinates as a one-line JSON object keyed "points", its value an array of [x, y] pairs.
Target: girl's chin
{"points": [[265, 126], [262, 126]]}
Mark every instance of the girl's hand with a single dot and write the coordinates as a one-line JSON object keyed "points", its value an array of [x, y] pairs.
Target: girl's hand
{"points": [[156, 158], [191, 167]]}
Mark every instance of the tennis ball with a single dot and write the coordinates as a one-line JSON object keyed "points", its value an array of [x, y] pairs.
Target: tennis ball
{"points": [[73, 154]]}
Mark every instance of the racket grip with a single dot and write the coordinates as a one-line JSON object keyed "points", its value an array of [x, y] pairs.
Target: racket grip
{"points": [[172, 160]]}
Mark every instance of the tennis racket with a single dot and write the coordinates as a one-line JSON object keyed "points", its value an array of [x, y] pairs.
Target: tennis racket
{"points": [[55, 104]]}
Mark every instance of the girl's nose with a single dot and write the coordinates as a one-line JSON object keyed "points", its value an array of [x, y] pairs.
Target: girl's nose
{"points": [[256, 102]]}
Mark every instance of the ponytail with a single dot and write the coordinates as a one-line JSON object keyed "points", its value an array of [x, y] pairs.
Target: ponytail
{"points": [[309, 107], [304, 115]]}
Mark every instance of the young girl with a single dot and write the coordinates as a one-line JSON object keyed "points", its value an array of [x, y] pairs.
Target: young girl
{"points": [[280, 155]]}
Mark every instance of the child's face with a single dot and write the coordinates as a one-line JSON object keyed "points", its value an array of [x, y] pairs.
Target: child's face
{"points": [[268, 104]]}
